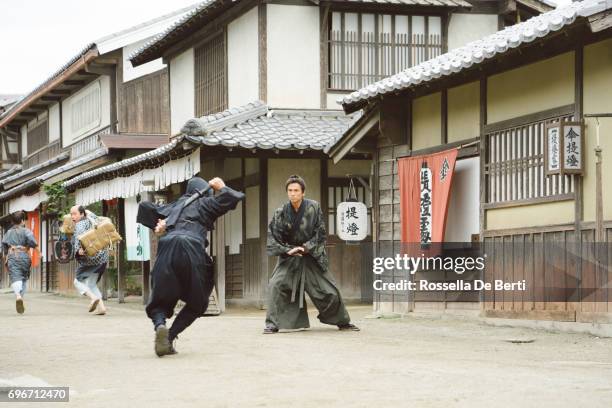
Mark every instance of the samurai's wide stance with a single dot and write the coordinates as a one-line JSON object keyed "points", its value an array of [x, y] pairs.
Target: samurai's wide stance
{"points": [[183, 270], [297, 236]]}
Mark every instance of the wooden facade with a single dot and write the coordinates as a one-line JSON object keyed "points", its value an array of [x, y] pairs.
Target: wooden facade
{"points": [[144, 104], [539, 227]]}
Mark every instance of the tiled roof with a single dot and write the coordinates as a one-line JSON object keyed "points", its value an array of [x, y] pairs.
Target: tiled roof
{"points": [[255, 126], [431, 3], [39, 180], [34, 169], [150, 49], [162, 152], [478, 51], [13, 170], [252, 126]]}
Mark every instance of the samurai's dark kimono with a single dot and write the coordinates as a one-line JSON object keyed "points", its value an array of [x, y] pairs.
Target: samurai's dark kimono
{"points": [[295, 275], [18, 260], [183, 270]]}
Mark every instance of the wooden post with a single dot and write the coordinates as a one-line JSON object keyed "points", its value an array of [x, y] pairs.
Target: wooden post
{"points": [[121, 249], [220, 247], [263, 229], [105, 276]]}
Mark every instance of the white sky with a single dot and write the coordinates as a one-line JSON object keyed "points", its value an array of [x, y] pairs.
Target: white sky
{"points": [[37, 37]]}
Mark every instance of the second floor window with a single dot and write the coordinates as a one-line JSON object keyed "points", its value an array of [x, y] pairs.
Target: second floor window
{"points": [[211, 76], [38, 137], [364, 48]]}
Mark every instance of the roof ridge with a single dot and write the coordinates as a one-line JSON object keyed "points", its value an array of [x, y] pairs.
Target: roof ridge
{"points": [[230, 117]]}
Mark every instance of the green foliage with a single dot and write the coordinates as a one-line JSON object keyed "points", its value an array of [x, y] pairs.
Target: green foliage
{"points": [[59, 201]]}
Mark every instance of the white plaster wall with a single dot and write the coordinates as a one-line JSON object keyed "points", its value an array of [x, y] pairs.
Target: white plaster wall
{"points": [[130, 72], [463, 209], [243, 59], [279, 171], [54, 122], [464, 28], [293, 56], [182, 90], [70, 136]]}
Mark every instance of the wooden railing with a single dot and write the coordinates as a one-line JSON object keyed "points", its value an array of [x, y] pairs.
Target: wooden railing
{"points": [[42, 155], [89, 144]]}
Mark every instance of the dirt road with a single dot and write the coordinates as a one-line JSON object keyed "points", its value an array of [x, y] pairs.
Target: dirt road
{"points": [[108, 361]]}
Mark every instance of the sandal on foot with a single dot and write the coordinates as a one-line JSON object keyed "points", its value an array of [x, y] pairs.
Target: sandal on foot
{"points": [[19, 306], [93, 305], [270, 330], [348, 327]]}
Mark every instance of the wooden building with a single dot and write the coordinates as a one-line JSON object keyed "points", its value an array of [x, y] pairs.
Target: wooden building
{"points": [[495, 100], [266, 110], [94, 110]]}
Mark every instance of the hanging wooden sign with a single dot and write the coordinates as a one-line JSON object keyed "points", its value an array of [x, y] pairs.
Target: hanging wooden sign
{"points": [[573, 147], [553, 149]]}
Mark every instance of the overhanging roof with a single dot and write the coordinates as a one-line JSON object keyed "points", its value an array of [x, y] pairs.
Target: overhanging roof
{"points": [[207, 10], [71, 166], [251, 126], [475, 52]]}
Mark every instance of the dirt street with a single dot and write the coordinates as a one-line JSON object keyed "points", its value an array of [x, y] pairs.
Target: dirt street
{"points": [[108, 361]]}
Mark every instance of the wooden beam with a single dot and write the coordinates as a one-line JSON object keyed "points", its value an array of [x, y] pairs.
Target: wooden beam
{"points": [[85, 73], [64, 92], [323, 53], [43, 90], [263, 230], [100, 69], [444, 117], [38, 106], [73, 82], [262, 27], [49, 98], [220, 247], [121, 249]]}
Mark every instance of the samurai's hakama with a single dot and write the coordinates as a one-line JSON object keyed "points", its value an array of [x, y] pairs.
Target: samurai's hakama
{"points": [[18, 260], [183, 270], [295, 275]]}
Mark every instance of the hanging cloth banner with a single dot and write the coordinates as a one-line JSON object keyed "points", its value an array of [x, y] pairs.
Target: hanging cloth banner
{"points": [[33, 224], [425, 184]]}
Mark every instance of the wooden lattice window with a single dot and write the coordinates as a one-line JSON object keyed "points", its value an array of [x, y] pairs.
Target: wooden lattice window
{"points": [[514, 165], [337, 192], [38, 137], [364, 48], [211, 76]]}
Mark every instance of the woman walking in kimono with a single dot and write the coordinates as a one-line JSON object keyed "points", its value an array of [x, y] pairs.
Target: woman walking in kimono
{"points": [[16, 243], [90, 268], [297, 236]]}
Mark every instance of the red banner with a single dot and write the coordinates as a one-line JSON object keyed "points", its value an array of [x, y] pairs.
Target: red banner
{"points": [[425, 184], [33, 224]]}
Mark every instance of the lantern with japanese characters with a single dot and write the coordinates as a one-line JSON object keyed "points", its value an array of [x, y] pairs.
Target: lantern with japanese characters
{"points": [[352, 218]]}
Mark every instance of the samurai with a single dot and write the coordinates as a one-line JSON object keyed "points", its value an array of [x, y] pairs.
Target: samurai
{"points": [[16, 243], [183, 270], [296, 234]]}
